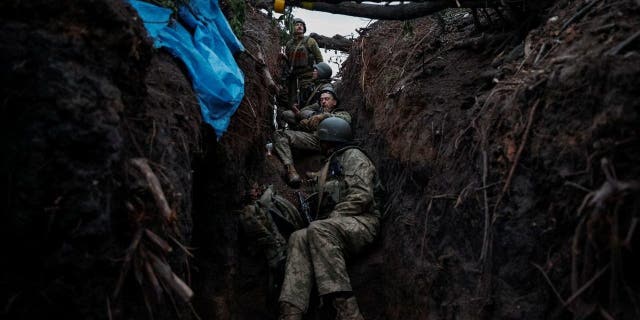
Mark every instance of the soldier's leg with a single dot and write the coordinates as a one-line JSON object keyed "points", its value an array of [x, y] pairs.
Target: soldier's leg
{"points": [[281, 144], [333, 239], [298, 277], [289, 117], [306, 114], [314, 107], [285, 140], [304, 140]]}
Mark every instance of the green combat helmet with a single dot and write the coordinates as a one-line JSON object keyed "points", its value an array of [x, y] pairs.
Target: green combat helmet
{"points": [[334, 129], [324, 70], [329, 89], [298, 20]]}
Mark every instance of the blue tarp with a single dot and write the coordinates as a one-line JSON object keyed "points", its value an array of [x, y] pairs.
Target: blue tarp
{"points": [[203, 40]]}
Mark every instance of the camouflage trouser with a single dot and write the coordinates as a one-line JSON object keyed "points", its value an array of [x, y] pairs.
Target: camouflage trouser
{"points": [[317, 254], [287, 139]]}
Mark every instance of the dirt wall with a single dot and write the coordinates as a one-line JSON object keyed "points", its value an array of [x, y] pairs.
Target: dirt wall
{"points": [[491, 150], [84, 94]]}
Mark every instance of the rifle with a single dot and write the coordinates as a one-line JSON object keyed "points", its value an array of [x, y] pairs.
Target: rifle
{"points": [[304, 205]]}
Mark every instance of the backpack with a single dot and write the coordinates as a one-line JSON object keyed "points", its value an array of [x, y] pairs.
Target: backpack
{"points": [[285, 214]]}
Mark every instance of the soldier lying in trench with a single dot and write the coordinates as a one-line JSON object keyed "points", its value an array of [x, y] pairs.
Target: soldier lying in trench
{"points": [[347, 220]]}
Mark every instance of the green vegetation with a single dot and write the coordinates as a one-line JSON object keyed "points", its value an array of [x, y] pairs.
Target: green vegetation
{"points": [[237, 16], [171, 4], [286, 25]]}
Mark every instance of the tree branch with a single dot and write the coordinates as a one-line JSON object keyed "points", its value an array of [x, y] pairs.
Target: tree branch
{"points": [[411, 10], [336, 42]]}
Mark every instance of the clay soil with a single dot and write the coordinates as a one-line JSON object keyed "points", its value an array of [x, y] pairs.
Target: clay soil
{"points": [[506, 144]]}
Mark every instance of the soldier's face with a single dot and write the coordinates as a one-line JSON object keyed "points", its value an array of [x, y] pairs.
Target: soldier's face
{"points": [[299, 28], [315, 74], [327, 101]]}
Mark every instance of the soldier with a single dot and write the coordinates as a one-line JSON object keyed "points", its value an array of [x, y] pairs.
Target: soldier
{"points": [[348, 220], [268, 220], [302, 53], [306, 138], [321, 78]]}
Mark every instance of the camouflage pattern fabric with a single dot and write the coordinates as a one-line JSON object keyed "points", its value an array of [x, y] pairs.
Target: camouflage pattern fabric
{"points": [[302, 54], [287, 139], [316, 254], [259, 226]]}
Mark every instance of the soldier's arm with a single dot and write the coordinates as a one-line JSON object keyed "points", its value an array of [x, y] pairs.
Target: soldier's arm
{"points": [[313, 45], [344, 115], [311, 107], [359, 175], [312, 122]]}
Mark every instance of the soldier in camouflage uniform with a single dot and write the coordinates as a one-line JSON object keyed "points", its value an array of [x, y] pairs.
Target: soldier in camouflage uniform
{"points": [[307, 138], [258, 220], [321, 78], [348, 220], [302, 52]]}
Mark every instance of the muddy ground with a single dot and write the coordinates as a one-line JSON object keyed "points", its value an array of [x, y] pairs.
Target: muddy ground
{"points": [[507, 147]]}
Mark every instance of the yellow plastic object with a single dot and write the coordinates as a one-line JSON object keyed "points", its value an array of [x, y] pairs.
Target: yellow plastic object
{"points": [[278, 6]]}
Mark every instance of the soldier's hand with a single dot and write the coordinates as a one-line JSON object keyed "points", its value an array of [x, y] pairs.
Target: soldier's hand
{"points": [[314, 121]]}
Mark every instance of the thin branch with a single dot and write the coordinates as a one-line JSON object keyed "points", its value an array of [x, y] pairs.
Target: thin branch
{"points": [[549, 282], [127, 262], [632, 229], [170, 279], [615, 50], [487, 217], [518, 154], [181, 246], [586, 286], [587, 7], [161, 243]]}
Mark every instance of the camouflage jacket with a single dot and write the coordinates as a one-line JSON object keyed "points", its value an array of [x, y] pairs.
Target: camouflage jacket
{"points": [[303, 53], [349, 185], [309, 126]]}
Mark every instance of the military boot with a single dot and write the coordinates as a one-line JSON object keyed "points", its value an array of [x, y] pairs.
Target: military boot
{"points": [[289, 312], [347, 309], [292, 176]]}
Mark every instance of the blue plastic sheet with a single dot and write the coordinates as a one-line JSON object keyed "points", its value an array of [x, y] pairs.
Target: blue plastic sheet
{"points": [[203, 40]]}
